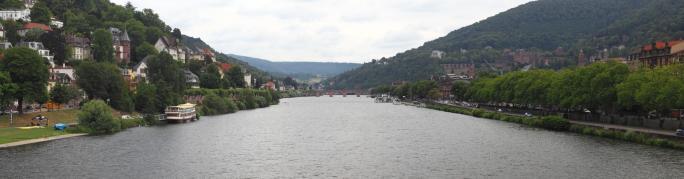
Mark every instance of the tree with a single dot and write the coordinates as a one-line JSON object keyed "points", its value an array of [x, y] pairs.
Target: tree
{"points": [[96, 118], [34, 34], [11, 32], [75, 23], [55, 42], [146, 100], [103, 51], [7, 90], [459, 90], [177, 34], [13, 4], [236, 77], [40, 13], [143, 50], [62, 94], [29, 72], [168, 76], [211, 79], [102, 81]]}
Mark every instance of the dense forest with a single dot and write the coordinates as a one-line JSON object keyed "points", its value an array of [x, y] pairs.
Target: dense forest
{"points": [[539, 26]]}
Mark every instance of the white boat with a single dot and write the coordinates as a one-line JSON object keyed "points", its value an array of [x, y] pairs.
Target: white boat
{"points": [[181, 113]]}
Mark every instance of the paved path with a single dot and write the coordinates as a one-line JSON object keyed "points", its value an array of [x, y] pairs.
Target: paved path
{"points": [[33, 141], [627, 128]]}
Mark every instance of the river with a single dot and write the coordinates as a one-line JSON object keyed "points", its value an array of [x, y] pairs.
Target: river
{"points": [[340, 137]]}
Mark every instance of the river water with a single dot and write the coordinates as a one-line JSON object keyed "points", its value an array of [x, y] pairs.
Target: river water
{"points": [[340, 138]]}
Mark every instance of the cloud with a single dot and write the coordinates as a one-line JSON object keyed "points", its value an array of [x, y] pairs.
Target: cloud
{"points": [[321, 30]]}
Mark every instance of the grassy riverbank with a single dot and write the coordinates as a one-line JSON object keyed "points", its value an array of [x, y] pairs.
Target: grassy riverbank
{"points": [[559, 124], [23, 120], [9, 135]]}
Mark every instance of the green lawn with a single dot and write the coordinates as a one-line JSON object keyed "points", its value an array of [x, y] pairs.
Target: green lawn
{"points": [[63, 116], [8, 135]]}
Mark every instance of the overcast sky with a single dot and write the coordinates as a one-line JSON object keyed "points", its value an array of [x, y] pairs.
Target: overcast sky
{"points": [[320, 30]]}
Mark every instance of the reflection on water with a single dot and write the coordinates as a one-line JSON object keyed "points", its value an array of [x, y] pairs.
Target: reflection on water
{"points": [[340, 137]]}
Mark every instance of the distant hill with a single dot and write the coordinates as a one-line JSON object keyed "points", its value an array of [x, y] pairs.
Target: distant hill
{"points": [[298, 68], [539, 26]]}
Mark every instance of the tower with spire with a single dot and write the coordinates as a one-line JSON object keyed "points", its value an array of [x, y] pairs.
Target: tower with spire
{"points": [[122, 45]]}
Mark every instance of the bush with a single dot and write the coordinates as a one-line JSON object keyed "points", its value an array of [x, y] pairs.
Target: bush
{"points": [[96, 118], [556, 123], [477, 112], [215, 105]]}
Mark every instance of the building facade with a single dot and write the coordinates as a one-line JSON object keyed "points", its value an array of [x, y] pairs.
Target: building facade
{"points": [[122, 45]]}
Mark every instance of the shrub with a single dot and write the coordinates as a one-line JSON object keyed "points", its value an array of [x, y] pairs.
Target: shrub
{"points": [[477, 112], [96, 118], [556, 123]]}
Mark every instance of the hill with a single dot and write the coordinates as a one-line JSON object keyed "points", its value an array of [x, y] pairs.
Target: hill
{"points": [[552, 31], [298, 69]]}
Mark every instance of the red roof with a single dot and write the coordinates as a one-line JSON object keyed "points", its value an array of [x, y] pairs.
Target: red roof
{"points": [[660, 45], [33, 25], [225, 66]]}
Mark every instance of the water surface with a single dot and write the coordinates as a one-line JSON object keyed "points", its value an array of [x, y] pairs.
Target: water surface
{"points": [[344, 138]]}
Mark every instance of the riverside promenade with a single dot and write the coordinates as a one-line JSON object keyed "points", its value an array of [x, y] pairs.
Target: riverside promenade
{"points": [[33, 141]]}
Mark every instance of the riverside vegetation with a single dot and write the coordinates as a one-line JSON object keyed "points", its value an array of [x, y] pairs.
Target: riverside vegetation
{"points": [[557, 123]]}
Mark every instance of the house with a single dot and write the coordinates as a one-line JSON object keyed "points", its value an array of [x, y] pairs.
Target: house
{"points": [[437, 54], [56, 23], [129, 78], [32, 25], [80, 47], [248, 80], [122, 45], [5, 45], [172, 46], [2, 31], [194, 54], [269, 85], [459, 71], [191, 79], [140, 70], [42, 51], [209, 54], [224, 68], [29, 3], [60, 75], [659, 54], [16, 14]]}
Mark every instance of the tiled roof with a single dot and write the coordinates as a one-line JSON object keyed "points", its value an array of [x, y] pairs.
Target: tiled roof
{"points": [[33, 25]]}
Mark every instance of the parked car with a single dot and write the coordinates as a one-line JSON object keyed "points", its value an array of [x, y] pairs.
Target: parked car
{"points": [[680, 132]]}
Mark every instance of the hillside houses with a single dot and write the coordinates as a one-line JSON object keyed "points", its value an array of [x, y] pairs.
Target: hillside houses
{"points": [[172, 46], [79, 46]]}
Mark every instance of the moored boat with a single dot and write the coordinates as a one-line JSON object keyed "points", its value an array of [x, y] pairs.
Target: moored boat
{"points": [[181, 113]]}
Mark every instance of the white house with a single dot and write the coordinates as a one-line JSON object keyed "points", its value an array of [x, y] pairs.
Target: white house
{"points": [[15, 14], [248, 80], [437, 54], [80, 47], [172, 46], [140, 70], [38, 46]]}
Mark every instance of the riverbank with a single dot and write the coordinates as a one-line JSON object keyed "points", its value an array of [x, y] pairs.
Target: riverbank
{"points": [[38, 140], [560, 124]]}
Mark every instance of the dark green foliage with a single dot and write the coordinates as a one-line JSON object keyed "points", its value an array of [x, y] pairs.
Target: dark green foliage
{"points": [[11, 4], [211, 78], [11, 34], [539, 26], [146, 101], [63, 94], [40, 13], [214, 105], [7, 90], [55, 42], [235, 77], [29, 72], [167, 75], [103, 81], [143, 51], [96, 118], [103, 51]]}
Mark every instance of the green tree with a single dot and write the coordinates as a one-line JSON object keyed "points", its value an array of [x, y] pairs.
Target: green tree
{"points": [[102, 81], [12, 4], [55, 42], [146, 100], [96, 118], [143, 50], [211, 79], [168, 76], [236, 77], [459, 90], [103, 51], [40, 13], [28, 70], [7, 90], [11, 31], [62, 94]]}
